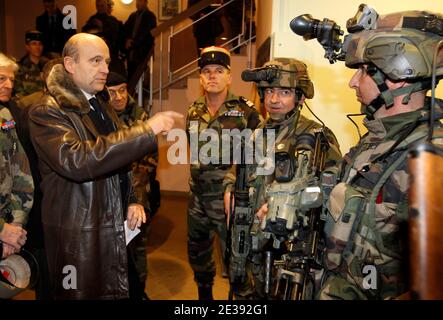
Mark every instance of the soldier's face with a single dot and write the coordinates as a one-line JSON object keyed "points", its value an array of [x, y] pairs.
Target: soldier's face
{"points": [[6, 83], [365, 87], [215, 78], [91, 70], [35, 48], [119, 97], [280, 100]]}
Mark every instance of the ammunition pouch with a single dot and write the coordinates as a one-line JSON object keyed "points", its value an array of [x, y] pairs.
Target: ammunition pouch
{"points": [[345, 206]]}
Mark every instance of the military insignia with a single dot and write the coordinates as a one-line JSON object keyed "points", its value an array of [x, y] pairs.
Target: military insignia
{"points": [[234, 113], [8, 125], [248, 102]]}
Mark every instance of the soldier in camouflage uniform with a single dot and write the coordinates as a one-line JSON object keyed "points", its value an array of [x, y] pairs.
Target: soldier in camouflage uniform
{"points": [[217, 109], [144, 171], [16, 186], [366, 253], [283, 94], [29, 78]]}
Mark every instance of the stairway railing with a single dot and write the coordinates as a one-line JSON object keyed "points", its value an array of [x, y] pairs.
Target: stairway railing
{"points": [[161, 73]]}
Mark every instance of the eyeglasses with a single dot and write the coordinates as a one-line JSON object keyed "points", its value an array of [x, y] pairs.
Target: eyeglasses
{"points": [[281, 93], [121, 92]]}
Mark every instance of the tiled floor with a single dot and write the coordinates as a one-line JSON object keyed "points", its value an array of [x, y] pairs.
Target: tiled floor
{"points": [[169, 275]]}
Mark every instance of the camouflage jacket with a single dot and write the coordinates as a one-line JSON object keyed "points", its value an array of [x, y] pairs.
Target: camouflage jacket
{"points": [[286, 130], [366, 227], [28, 79], [16, 185], [144, 170], [235, 113]]}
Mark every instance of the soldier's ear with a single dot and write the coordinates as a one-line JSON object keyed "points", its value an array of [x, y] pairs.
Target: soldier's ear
{"points": [[392, 85], [301, 99]]}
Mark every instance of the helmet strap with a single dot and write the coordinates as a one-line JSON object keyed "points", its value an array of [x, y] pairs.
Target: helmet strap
{"points": [[386, 96]]}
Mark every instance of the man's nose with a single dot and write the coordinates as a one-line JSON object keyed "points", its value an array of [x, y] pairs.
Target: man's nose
{"points": [[104, 67], [274, 97], [353, 83], [212, 74], [9, 83]]}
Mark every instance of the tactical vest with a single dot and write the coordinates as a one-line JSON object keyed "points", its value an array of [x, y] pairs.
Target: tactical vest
{"points": [[354, 240]]}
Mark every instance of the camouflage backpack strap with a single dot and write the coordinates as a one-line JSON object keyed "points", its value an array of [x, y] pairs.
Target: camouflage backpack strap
{"points": [[414, 137], [370, 209]]}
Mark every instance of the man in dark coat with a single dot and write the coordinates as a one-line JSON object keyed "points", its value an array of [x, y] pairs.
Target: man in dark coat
{"points": [[208, 29], [138, 38], [81, 152], [50, 24]]}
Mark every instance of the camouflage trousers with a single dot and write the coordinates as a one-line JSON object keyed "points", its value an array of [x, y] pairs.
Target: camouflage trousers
{"points": [[206, 217], [338, 288]]}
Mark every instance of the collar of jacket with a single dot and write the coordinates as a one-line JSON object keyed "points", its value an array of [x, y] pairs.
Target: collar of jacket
{"points": [[67, 94], [230, 97], [388, 128]]}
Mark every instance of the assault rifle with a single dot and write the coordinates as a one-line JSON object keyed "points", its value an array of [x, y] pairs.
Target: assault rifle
{"points": [[239, 239], [293, 220]]}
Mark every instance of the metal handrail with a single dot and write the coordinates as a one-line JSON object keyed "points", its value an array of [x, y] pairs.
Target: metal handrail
{"points": [[169, 26], [181, 17], [185, 75], [190, 25]]}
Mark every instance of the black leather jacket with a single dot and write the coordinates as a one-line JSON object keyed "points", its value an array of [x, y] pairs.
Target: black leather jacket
{"points": [[82, 212]]}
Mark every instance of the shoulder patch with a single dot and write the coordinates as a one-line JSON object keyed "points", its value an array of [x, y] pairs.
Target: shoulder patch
{"points": [[249, 103]]}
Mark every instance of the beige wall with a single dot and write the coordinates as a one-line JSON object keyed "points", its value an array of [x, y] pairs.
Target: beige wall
{"points": [[264, 20], [333, 98]]}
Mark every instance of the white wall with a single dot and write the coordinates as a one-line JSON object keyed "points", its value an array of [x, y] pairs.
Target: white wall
{"points": [[333, 98]]}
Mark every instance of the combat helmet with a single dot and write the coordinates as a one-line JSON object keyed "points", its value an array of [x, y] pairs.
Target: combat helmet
{"points": [[287, 73], [398, 46]]}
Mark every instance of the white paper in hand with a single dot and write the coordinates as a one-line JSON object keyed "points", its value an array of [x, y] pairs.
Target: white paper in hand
{"points": [[130, 234]]}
